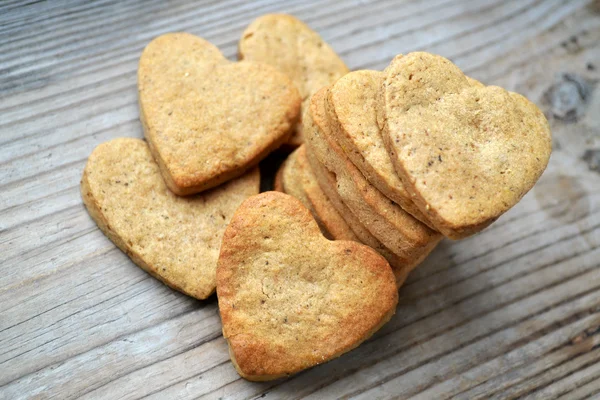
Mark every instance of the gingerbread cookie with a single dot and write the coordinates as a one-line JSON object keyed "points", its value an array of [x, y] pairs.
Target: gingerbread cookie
{"points": [[208, 120], [175, 239], [289, 298], [467, 152]]}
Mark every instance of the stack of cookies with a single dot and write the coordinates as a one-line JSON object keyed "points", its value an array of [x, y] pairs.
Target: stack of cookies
{"points": [[388, 164], [412, 153]]}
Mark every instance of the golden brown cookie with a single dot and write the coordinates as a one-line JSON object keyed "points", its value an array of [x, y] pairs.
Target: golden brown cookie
{"points": [[288, 44], [175, 239], [352, 108], [289, 298], [397, 230], [466, 152], [326, 181], [208, 120]]}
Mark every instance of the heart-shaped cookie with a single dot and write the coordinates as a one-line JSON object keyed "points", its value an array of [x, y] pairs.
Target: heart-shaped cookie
{"points": [[466, 152], [175, 239], [352, 107], [208, 120], [288, 44], [289, 298]]}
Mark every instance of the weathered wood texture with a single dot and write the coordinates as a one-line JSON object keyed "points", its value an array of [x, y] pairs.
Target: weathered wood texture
{"points": [[514, 311]]}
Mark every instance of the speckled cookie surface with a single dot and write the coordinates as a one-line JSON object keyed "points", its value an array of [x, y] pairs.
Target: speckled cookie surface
{"points": [[400, 232], [288, 44], [289, 298], [175, 239], [466, 152], [352, 107], [208, 120]]}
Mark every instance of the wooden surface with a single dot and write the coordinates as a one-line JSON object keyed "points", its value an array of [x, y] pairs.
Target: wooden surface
{"points": [[514, 311]]}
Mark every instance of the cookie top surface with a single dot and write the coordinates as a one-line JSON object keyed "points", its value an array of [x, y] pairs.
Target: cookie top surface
{"points": [[290, 45], [352, 103], [291, 299], [467, 152], [175, 239], [208, 120]]}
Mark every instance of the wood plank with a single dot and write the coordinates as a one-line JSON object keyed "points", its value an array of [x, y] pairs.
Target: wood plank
{"points": [[526, 288], [186, 332], [438, 30], [513, 368], [511, 312], [209, 34], [46, 183], [502, 41], [50, 14], [478, 36], [590, 391], [568, 383], [19, 9], [96, 37], [207, 25], [495, 344], [400, 363], [118, 307], [193, 372]]}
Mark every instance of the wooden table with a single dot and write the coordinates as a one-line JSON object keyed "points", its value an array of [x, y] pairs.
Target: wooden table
{"points": [[514, 311]]}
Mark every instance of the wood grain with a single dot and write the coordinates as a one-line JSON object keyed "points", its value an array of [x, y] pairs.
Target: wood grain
{"points": [[512, 312]]}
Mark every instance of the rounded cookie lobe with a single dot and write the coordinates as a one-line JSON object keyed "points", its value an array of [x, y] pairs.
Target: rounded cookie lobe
{"points": [[291, 46], [175, 239], [289, 298], [466, 152], [208, 120]]}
